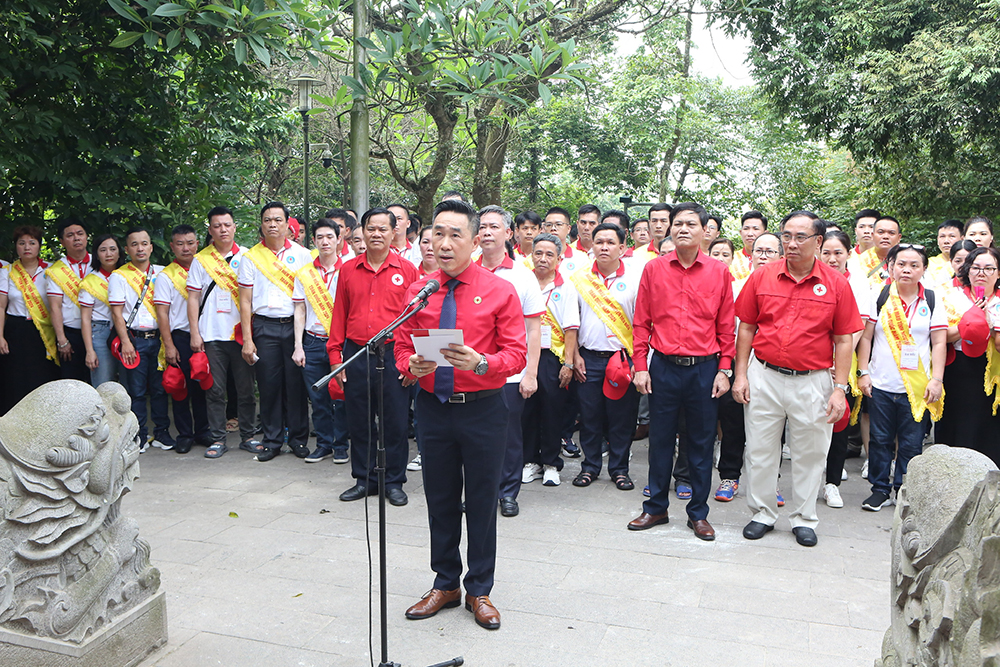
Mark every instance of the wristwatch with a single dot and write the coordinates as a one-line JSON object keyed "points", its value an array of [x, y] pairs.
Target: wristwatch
{"points": [[842, 387], [862, 373], [482, 366], [728, 372]]}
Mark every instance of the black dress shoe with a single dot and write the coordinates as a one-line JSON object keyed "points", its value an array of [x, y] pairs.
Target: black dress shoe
{"points": [[356, 492], [300, 451], [396, 497], [805, 536], [183, 445], [756, 530], [268, 453], [508, 507]]}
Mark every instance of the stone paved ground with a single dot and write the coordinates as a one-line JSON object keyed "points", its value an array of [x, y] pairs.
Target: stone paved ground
{"points": [[262, 565]]}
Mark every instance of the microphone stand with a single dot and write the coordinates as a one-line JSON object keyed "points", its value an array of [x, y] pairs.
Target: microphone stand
{"points": [[377, 345]]}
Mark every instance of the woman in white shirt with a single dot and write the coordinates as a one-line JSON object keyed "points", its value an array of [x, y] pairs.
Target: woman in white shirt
{"points": [[95, 313]]}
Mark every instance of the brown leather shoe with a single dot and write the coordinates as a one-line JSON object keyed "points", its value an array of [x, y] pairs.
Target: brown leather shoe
{"points": [[641, 432], [434, 601], [487, 615], [644, 521], [702, 529]]}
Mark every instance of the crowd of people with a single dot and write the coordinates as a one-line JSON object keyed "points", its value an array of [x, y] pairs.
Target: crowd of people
{"points": [[800, 344]]}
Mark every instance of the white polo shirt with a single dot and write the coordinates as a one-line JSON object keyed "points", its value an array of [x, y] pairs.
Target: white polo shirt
{"points": [[70, 311], [15, 300], [884, 371], [623, 287], [101, 311], [572, 261], [313, 325], [219, 315], [268, 299], [121, 294], [526, 286], [166, 294], [561, 298]]}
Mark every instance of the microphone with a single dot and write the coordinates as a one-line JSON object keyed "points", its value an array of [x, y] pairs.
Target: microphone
{"points": [[428, 289]]}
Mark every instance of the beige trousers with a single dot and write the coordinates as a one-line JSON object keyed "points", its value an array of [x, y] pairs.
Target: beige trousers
{"points": [[802, 401]]}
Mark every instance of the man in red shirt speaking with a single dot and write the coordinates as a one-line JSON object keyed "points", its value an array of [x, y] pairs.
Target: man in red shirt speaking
{"points": [[461, 414], [797, 315]]}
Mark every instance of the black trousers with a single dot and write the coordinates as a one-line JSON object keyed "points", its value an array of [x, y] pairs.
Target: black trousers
{"points": [[191, 414], [76, 367], [283, 400], [25, 366], [600, 415], [513, 461], [361, 401], [463, 449], [734, 437], [838, 449], [544, 413]]}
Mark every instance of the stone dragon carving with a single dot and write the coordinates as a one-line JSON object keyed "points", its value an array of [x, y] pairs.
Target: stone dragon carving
{"points": [[69, 562]]}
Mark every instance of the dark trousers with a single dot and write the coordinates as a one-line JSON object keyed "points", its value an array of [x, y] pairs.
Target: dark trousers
{"points": [[75, 368], [463, 449], [225, 357], [191, 414], [569, 418], [513, 460], [734, 437], [544, 411], [329, 416], [361, 398], [676, 389], [838, 449], [25, 366], [279, 380], [892, 425], [600, 415], [681, 473], [145, 380]]}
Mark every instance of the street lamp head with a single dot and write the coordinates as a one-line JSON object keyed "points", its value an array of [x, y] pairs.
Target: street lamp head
{"points": [[306, 83], [327, 158]]}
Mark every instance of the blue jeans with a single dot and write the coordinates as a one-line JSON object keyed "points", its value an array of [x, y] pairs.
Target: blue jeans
{"points": [[892, 421], [108, 367], [145, 379], [329, 417]]}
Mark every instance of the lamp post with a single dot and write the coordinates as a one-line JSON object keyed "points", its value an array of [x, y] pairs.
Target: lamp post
{"points": [[305, 83]]}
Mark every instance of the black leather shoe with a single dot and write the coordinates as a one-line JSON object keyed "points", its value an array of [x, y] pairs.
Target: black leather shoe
{"points": [[805, 536], [268, 453], [183, 445], [356, 492], [756, 530], [300, 451], [396, 497], [508, 507]]}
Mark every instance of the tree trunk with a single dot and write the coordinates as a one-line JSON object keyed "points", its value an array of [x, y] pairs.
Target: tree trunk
{"points": [[532, 176], [492, 139], [671, 153]]}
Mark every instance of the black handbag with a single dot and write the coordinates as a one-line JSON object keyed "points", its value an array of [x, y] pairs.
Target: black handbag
{"points": [[113, 334]]}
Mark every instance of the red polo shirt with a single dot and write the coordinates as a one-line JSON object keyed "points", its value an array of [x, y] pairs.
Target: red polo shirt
{"points": [[489, 314], [796, 321], [367, 300], [696, 320]]}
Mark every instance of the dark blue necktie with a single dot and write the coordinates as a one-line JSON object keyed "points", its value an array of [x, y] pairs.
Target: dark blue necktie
{"points": [[444, 376]]}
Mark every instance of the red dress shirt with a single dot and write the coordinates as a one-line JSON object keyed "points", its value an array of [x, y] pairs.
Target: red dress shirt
{"points": [[686, 312], [489, 314], [367, 300], [796, 321]]}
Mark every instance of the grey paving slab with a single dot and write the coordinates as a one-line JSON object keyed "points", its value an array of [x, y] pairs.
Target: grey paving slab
{"points": [[286, 580]]}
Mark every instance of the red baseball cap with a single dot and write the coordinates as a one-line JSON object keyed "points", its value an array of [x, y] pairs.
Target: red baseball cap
{"points": [[617, 376], [974, 332], [238, 333], [842, 423], [336, 391], [201, 371], [175, 383], [293, 224], [116, 349]]}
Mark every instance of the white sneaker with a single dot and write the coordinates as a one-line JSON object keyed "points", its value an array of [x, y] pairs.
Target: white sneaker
{"points": [[531, 472], [843, 475], [551, 476], [413, 465], [832, 496], [786, 454], [153, 442], [864, 470]]}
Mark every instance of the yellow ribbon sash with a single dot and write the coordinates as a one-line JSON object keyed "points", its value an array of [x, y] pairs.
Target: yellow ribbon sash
{"points": [[317, 295], [36, 308], [268, 264], [897, 334], [66, 279], [219, 270], [610, 312], [939, 270], [869, 262], [178, 276], [558, 343], [740, 267], [96, 285], [136, 279], [855, 390]]}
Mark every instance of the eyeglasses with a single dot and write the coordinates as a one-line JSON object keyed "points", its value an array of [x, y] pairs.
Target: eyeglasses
{"points": [[910, 246], [766, 252], [786, 237], [982, 270], [549, 226]]}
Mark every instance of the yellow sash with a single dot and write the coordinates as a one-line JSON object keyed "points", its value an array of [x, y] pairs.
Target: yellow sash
{"points": [[178, 276], [741, 267], [317, 295], [992, 375], [855, 390], [219, 270], [869, 261], [268, 264], [558, 344], [897, 334], [96, 285], [136, 279], [36, 308], [610, 312], [939, 270], [66, 279]]}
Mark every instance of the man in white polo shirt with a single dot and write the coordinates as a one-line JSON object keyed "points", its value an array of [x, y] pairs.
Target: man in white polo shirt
{"points": [[64, 278]]}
